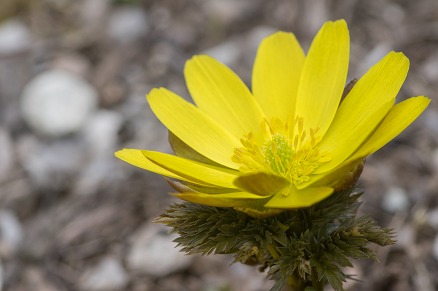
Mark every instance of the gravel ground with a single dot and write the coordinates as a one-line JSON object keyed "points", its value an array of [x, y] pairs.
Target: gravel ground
{"points": [[73, 76]]}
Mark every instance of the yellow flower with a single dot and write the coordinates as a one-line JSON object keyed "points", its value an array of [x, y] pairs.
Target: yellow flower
{"points": [[289, 143]]}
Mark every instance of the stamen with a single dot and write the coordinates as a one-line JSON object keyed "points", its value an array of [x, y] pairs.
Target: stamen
{"points": [[289, 150]]}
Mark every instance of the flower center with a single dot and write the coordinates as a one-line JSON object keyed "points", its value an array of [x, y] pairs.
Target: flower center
{"points": [[284, 149]]}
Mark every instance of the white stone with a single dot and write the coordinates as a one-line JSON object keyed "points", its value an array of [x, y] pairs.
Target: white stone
{"points": [[432, 218], [435, 159], [14, 37], [7, 154], [127, 24], [52, 164], [56, 103], [2, 280], [435, 247], [100, 135], [395, 200], [107, 275], [430, 68], [154, 253], [101, 131], [227, 52], [11, 232], [372, 57]]}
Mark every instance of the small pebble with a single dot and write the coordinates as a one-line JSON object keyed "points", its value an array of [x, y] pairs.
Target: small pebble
{"points": [[154, 253], [435, 247], [11, 233], [395, 200], [7, 154], [57, 103], [227, 52], [14, 37], [107, 275], [128, 24]]}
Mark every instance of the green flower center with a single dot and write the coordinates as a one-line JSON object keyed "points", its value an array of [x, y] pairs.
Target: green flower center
{"points": [[287, 150]]}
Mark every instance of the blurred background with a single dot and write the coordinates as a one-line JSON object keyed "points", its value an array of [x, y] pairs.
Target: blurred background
{"points": [[73, 79]]}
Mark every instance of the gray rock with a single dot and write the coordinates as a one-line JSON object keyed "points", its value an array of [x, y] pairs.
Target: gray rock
{"points": [[100, 134], [432, 218], [7, 154], [14, 37], [51, 165], [153, 252], [395, 200], [56, 103], [227, 52], [11, 233], [127, 24], [435, 247], [372, 57], [107, 275], [430, 68]]}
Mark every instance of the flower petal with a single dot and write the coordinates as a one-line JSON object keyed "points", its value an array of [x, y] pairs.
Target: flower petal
{"points": [[342, 177], [234, 199], [181, 149], [194, 171], [276, 74], [299, 198], [261, 183], [364, 108], [193, 127], [324, 76], [398, 119], [136, 158], [222, 95]]}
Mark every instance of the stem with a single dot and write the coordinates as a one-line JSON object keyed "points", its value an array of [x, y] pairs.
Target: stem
{"points": [[316, 283]]}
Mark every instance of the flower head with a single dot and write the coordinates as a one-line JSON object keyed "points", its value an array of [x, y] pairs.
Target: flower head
{"points": [[291, 141]]}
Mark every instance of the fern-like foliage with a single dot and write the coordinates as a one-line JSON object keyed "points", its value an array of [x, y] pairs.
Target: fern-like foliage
{"points": [[303, 248]]}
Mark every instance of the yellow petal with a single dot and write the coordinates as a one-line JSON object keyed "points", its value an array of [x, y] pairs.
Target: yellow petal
{"points": [[181, 149], [340, 178], [364, 108], [222, 95], [136, 158], [184, 187], [193, 127], [398, 119], [276, 74], [261, 183], [234, 199], [299, 198], [323, 77], [194, 171]]}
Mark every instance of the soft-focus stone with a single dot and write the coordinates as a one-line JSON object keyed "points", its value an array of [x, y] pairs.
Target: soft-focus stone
{"points": [[435, 160], [372, 57], [7, 154], [107, 275], [430, 68], [153, 252], [127, 24], [405, 236], [14, 37], [101, 131], [432, 218], [435, 247], [51, 165], [2, 280], [227, 52], [57, 103], [100, 134], [395, 200], [11, 233]]}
